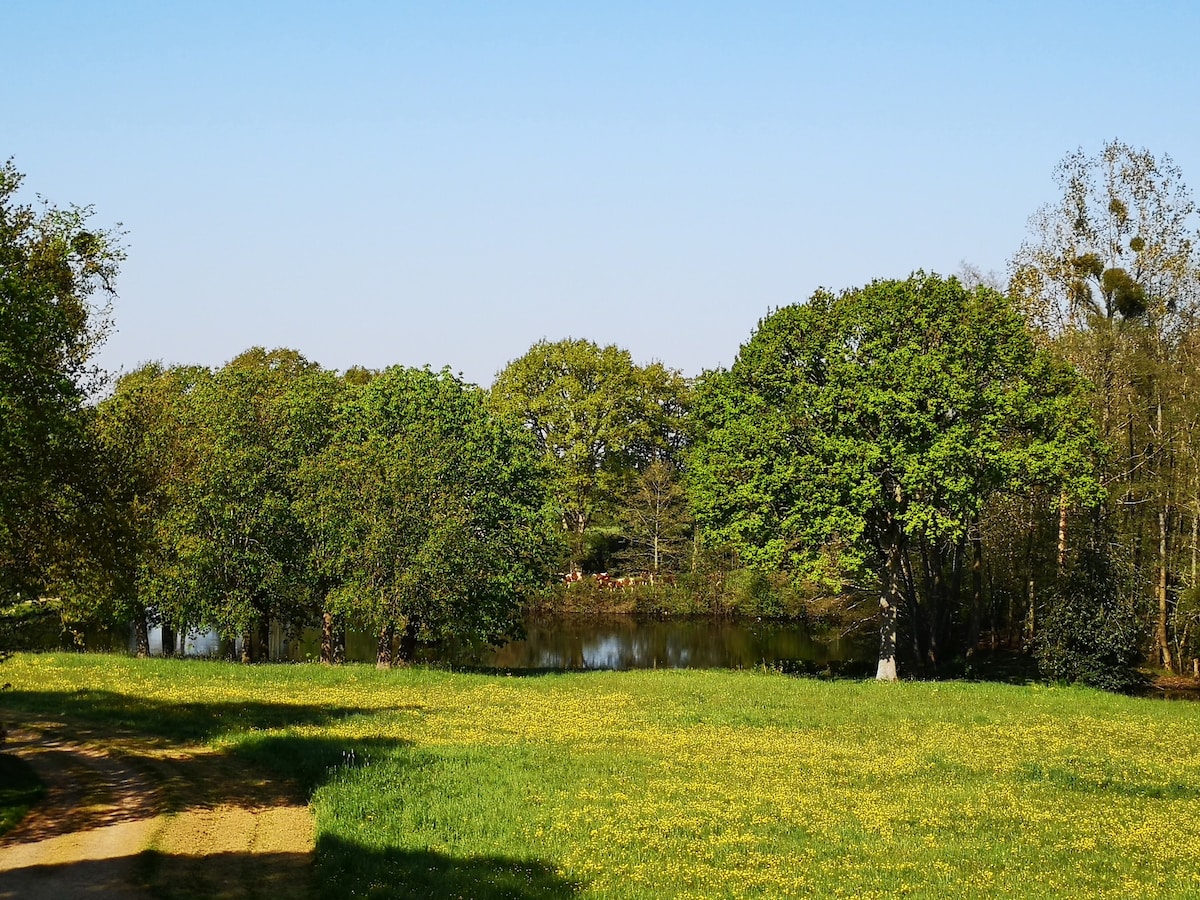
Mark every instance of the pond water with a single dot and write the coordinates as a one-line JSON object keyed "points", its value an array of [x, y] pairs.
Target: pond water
{"points": [[621, 643], [569, 643]]}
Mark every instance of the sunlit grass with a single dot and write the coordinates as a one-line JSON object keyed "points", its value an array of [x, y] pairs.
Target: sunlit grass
{"points": [[684, 784]]}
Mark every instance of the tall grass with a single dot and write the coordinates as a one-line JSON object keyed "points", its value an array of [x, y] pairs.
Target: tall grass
{"points": [[682, 783]]}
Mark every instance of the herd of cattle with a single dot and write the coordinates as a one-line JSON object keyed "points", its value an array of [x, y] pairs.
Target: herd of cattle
{"points": [[625, 582]]}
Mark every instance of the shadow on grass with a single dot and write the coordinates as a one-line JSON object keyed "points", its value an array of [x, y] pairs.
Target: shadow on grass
{"points": [[114, 758], [380, 875], [350, 870], [94, 713], [219, 876]]}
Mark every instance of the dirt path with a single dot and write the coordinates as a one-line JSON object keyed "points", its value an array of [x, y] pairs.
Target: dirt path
{"points": [[153, 825]]}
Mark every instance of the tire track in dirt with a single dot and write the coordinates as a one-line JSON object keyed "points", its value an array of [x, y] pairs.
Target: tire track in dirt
{"points": [[145, 826]]}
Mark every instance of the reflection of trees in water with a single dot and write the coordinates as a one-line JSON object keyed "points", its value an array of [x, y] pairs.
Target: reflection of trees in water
{"points": [[632, 644]]}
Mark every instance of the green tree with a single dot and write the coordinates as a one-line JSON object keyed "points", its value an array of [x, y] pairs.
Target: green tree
{"points": [[857, 438], [597, 418], [655, 520], [428, 512], [1112, 273], [56, 283], [243, 550], [129, 572]]}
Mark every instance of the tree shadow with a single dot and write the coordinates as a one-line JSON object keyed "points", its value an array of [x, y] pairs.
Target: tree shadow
{"points": [[109, 758], [100, 714], [350, 870], [380, 875], [219, 876], [114, 759]]}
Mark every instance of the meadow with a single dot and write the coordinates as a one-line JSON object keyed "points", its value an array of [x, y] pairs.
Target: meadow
{"points": [[683, 784]]}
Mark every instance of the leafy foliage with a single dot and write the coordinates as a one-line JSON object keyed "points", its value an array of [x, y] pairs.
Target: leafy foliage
{"points": [[1112, 273], [597, 417], [56, 278], [857, 438], [428, 512], [1090, 634]]}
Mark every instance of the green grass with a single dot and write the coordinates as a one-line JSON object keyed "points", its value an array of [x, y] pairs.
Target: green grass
{"points": [[428, 783], [20, 789]]}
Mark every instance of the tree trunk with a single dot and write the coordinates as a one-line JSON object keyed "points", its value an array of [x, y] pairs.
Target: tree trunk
{"points": [[1030, 584], [264, 640], [248, 647], [976, 613], [141, 635], [383, 653], [327, 638], [889, 603], [339, 643], [1062, 532], [1160, 628]]}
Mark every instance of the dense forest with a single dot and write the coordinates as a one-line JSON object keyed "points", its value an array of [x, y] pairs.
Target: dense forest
{"points": [[991, 462]]}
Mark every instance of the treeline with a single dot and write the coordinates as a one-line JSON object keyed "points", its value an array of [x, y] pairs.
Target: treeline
{"points": [[272, 490], [994, 463]]}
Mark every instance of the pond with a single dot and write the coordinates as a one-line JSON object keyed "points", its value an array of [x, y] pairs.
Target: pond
{"points": [[621, 643], [562, 642]]}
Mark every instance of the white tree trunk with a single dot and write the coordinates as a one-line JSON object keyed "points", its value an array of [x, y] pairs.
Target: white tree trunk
{"points": [[887, 640]]}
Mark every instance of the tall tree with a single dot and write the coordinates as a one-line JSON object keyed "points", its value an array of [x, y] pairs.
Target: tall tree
{"points": [[242, 545], [147, 456], [597, 417], [857, 437], [1112, 272], [428, 511], [56, 282], [655, 520]]}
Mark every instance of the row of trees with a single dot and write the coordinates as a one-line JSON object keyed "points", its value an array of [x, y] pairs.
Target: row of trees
{"points": [[272, 490], [998, 463]]}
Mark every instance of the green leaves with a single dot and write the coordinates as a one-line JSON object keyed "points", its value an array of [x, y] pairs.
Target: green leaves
{"points": [[52, 266], [596, 417], [903, 405], [426, 509]]}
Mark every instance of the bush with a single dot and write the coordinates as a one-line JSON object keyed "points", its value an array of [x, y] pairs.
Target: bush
{"points": [[740, 593], [1090, 634]]}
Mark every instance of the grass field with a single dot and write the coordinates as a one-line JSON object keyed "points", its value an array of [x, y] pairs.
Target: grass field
{"points": [[678, 784]]}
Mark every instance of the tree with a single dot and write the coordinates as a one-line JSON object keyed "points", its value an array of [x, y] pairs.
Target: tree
{"points": [[1119, 245], [428, 512], [244, 553], [654, 519], [128, 573], [56, 281], [857, 438], [1112, 273], [597, 417]]}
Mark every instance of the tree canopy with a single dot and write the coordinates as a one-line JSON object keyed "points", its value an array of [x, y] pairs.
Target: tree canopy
{"points": [[597, 417], [857, 437], [57, 275], [428, 511]]}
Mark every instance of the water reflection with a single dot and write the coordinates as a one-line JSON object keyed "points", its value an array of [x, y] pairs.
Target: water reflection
{"points": [[626, 643]]}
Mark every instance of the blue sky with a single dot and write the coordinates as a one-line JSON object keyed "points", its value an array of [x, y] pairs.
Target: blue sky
{"points": [[446, 183]]}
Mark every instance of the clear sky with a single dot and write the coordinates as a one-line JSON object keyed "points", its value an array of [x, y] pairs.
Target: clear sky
{"points": [[447, 182]]}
